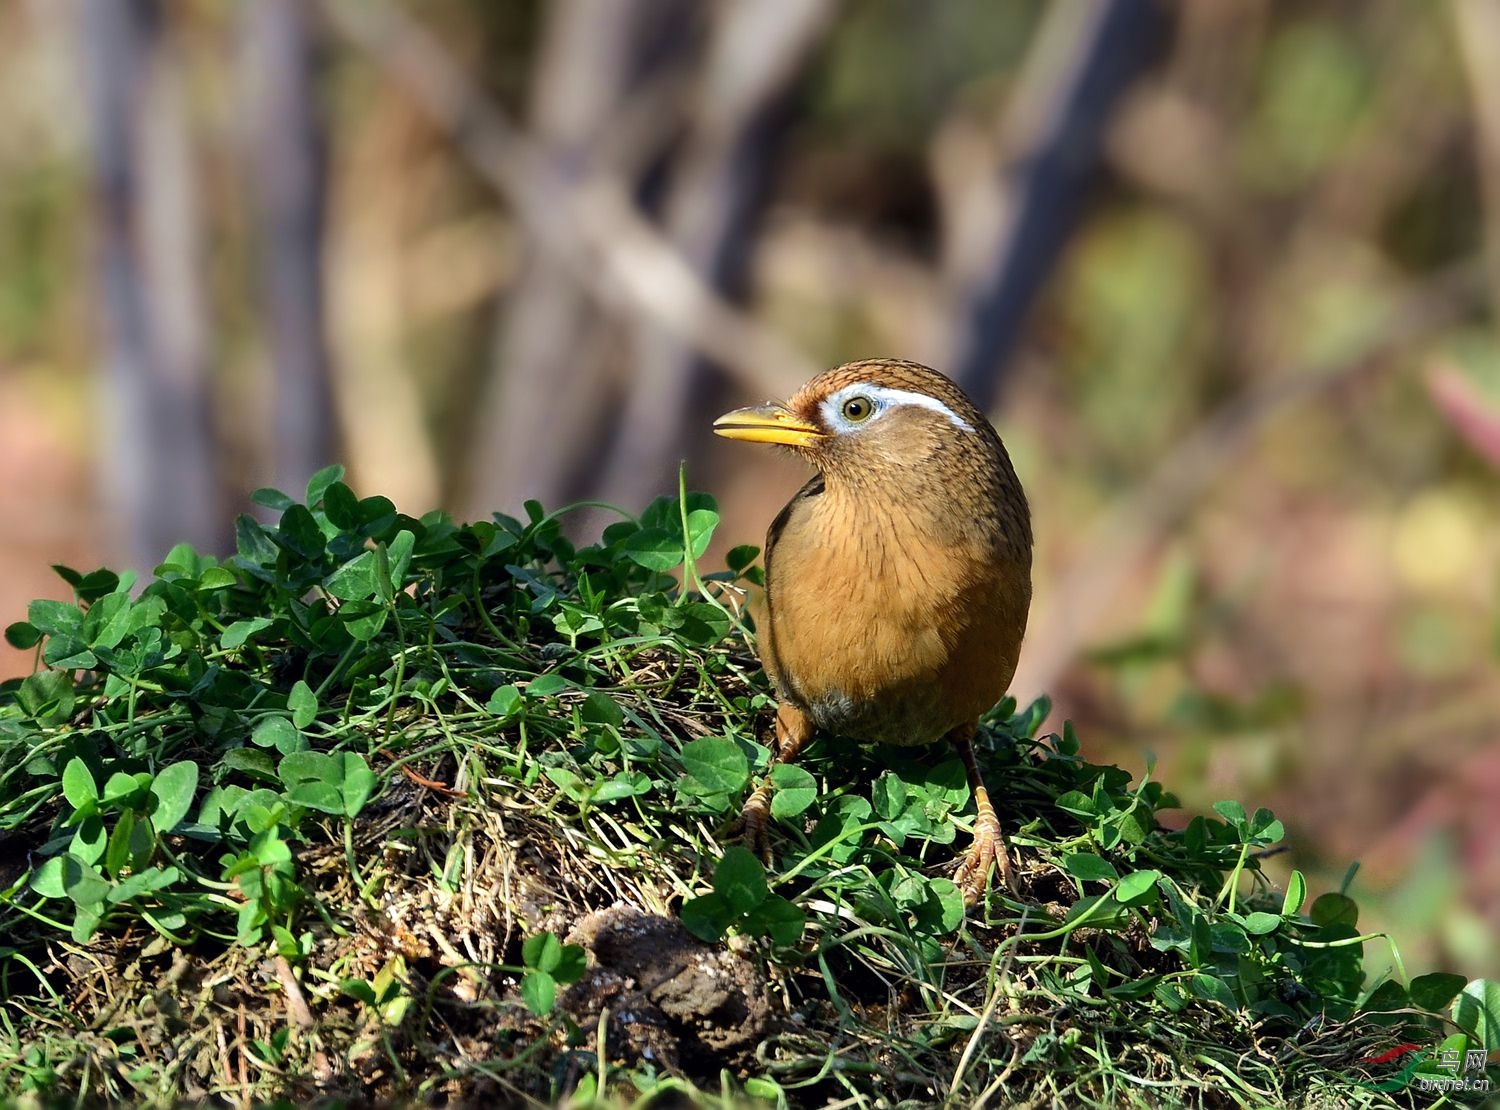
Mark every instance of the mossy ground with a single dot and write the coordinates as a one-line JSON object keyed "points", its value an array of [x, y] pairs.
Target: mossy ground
{"points": [[300, 827]]}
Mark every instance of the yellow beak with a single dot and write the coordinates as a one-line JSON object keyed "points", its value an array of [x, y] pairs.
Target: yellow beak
{"points": [[768, 424]]}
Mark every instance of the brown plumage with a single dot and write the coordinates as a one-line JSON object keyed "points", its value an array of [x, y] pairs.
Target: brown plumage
{"points": [[898, 579]]}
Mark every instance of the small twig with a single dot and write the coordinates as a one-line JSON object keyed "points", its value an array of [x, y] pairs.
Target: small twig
{"points": [[1003, 957], [432, 784], [225, 1065], [243, 1057], [296, 1002]]}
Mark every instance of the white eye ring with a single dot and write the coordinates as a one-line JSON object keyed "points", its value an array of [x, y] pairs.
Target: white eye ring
{"points": [[882, 399]]}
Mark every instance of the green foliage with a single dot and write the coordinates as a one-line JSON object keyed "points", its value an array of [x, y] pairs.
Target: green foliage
{"points": [[385, 993], [549, 963], [1476, 1009], [186, 754], [113, 856], [200, 731], [716, 771], [742, 901]]}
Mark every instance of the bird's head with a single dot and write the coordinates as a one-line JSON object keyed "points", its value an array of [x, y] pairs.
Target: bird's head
{"points": [[892, 434], [881, 418]]}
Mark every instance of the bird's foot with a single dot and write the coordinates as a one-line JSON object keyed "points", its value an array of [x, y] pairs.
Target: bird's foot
{"points": [[988, 849], [752, 828]]}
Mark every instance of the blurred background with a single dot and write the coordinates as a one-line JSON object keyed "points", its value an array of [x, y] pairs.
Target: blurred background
{"points": [[1226, 274]]}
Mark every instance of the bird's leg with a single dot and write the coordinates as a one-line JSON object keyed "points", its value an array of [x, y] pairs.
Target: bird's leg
{"points": [[793, 730], [989, 842]]}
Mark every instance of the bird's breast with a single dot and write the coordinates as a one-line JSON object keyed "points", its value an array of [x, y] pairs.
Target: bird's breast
{"points": [[879, 630]]}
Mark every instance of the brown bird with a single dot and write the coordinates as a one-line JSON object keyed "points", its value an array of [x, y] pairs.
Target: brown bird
{"points": [[898, 579]]}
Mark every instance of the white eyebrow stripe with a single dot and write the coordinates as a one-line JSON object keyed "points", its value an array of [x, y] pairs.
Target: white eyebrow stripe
{"points": [[892, 397]]}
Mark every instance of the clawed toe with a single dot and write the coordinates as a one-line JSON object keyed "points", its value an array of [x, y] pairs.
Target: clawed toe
{"points": [[752, 827], [988, 849], [989, 841]]}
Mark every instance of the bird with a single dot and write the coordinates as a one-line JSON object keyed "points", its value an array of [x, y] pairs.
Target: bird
{"points": [[897, 579]]}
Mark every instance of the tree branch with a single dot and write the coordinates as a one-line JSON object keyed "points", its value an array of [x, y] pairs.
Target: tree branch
{"points": [[590, 224], [1011, 227], [287, 156], [758, 49], [161, 461]]}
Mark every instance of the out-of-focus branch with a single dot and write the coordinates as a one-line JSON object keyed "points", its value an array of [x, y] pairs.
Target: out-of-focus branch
{"points": [[758, 49], [1478, 26], [386, 437], [1138, 520], [1474, 417], [160, 464], [590, 224], [551, 340], [287, 155], [1007, 229]]}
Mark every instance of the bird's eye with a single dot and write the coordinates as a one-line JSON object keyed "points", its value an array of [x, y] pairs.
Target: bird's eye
{"points": [[857, 409]]}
